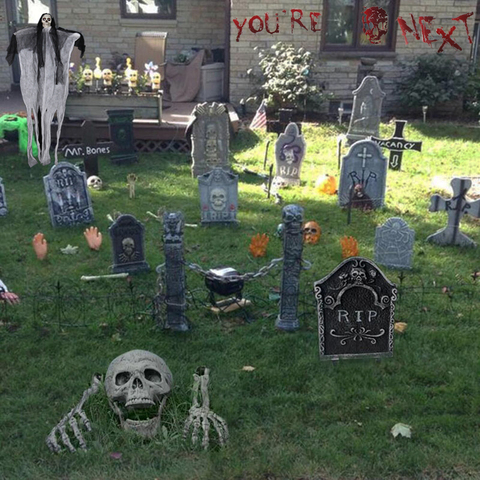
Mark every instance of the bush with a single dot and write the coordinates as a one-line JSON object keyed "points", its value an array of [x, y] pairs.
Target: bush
{"points": [[431, 80], [472, 93], [287, 78]]}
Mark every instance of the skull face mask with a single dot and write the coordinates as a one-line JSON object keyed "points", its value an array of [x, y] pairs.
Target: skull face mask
{"points": [[47, 20], [137, 384], [375, 21]]}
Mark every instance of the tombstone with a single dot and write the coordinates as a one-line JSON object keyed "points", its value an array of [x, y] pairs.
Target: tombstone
{"points": [[394, 244], [3, 200], [120, 123], [128, 245], [210, 137], [366, 111], [364, 164], [289, 154], [89, 149], [356, 305], [175, 283], [218, 196], [397, 145], [67, 194], [456, 208]]}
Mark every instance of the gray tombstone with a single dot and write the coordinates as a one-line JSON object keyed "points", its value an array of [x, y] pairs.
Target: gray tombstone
{"points": [[67, 194], [364, 164], [128, 245], [3, 200], [394, 244], [210, 138], [366, 111], [289, 154], [218, 196], [456, 208], [356, 306]]}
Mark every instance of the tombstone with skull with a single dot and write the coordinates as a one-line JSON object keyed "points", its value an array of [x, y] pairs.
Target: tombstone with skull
{"points": [[218, 196], [289, 153], [127, 235]]}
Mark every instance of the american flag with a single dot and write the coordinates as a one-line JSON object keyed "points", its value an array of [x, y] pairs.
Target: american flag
{"points": [[260, 118]]}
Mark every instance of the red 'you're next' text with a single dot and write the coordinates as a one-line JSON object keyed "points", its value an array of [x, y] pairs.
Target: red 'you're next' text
{"points": [[375, 23]]}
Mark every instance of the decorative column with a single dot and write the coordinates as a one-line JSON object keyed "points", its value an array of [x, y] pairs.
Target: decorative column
{"points": [[292, 216], [175, 272]]}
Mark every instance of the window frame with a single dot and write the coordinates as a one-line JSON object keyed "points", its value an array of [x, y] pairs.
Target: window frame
{"points": [[357, 30], [148, 16]]}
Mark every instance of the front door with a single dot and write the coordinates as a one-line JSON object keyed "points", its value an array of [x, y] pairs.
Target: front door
{"points": [[24, 13]]}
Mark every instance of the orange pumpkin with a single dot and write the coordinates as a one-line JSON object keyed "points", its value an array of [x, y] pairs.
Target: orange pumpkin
{"points": [[258, 245], [349, 247], [326, 184]]}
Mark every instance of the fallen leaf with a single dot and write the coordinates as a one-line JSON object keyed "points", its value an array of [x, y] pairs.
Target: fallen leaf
{"points": [[401, 429], [248, 368], [400, 327]]}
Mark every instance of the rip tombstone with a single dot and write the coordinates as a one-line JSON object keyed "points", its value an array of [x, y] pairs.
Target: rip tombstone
{"points": [[394, 244], [128, 245], [67, 194], [3, 200], [289, 154], [366, 111], [218, 196], [363, 165], [356, 306]]}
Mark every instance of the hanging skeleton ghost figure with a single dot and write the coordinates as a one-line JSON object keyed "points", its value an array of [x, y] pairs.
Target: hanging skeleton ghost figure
{"points": [[44, 53]]}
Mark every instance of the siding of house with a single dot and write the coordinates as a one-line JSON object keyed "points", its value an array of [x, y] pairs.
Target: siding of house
{"points": [[5, 70], [337, 73], [199, 23]]}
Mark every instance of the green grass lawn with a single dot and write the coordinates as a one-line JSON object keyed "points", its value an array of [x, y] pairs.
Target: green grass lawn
{"points": [[293, 417]]}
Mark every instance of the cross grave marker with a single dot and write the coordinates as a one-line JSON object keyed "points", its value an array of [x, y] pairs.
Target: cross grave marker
{"points": [[456, 208], [89, 149], [397, 144]]}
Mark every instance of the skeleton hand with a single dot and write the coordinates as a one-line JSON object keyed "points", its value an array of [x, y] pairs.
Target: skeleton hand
{"points": [[9, 297], [69, 418], [94, 238], [40, 246], [203, 415]]}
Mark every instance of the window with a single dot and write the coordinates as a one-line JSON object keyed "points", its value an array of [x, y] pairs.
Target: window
{"points": [[148, 8], [343, 28]]}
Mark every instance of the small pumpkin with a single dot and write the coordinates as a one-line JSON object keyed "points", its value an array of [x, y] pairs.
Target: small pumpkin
{"points": [[326, 184]]}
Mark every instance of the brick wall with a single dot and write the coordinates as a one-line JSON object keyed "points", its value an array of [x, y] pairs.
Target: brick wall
{"points": [[199, 23], [340, 74], [5, 70]]}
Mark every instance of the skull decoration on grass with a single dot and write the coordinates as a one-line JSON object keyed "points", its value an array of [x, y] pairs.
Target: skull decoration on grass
{"points": [[95, 182], [311, 233], [137, 385]]}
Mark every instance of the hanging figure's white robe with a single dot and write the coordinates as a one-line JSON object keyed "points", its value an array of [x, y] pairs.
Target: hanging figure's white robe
{"points": [[43, 94]]}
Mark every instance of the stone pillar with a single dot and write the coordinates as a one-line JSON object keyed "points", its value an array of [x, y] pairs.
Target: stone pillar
{"points": [[175, 284], [292, 216]]}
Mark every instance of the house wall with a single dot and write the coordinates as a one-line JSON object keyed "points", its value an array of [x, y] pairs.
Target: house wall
{"points": [[337, 71], [199, 23], [5, 70]]}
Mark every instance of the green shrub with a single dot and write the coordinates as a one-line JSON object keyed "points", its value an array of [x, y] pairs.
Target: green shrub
{"points": [[472, 93], [431, 80], [287, 78]]}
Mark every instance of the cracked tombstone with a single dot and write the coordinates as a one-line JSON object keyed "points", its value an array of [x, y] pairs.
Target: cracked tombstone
{"points": [[3, 200], [366, 111], [356, 306], [218, 196], [394, 244], [364, 164], [68, 199], [290, 150], [128, 245], [210, 137], [456, 208]]}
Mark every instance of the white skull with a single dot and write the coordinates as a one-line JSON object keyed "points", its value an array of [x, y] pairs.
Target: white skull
{"points": [[47, 20], [137, 383], [358, 275], [289, 156], [95, 182], [218, 199]]}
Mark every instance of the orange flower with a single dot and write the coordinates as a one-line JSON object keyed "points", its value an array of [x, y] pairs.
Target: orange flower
{"points": [[258, 245], [349, 247], [326, 184], [40, 246]]}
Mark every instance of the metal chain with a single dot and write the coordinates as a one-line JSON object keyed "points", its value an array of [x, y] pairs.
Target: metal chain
{"points": [[234, 278]]}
